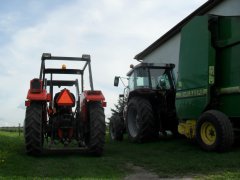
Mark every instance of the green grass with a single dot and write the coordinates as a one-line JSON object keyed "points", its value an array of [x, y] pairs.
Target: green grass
{"points": [[168, 158], [12, 129]]}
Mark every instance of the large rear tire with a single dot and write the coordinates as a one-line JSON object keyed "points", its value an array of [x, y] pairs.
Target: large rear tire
{"points": [[140, 122], [33, 131], [116, 128], [97, 128], [214, 131]]}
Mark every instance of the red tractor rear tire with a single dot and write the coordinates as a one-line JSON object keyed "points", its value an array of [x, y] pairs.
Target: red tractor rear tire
{"points": [[33, 131], [97, 128]]}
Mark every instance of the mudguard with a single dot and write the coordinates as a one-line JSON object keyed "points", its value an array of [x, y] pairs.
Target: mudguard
{"points": [[88, 96], [93, 95], [42, 96], [37, 92]]}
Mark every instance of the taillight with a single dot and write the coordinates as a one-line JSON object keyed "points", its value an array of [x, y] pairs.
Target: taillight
{"points": [[104, 104], [27, 103]]}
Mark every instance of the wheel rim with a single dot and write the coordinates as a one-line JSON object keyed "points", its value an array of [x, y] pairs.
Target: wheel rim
{"points": [[208, 133], [133, 122]]}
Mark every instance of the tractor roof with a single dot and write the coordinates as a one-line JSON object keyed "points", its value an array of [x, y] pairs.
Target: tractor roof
{"points": [[62, 71], [62, 83], [48, 56], [151, 65], [80, 71]]}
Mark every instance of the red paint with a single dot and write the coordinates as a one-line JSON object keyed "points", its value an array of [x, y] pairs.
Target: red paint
{"points": [[70, 133], [43, 96], [27, 103], [83, 112], [94, 96], [104, 104], [60, 133]]}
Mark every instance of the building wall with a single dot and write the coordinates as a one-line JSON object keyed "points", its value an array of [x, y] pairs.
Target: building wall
{"points": [[227, 8], [169, 51]]}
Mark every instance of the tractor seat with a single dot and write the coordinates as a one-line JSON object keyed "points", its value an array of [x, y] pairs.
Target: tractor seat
{"points": [[64, 100]]}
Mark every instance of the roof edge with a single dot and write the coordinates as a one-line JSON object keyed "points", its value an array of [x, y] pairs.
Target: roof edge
{"points": [[177, 28]]}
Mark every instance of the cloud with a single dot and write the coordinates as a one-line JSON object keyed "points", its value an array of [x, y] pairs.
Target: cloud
{"points": [[21, 106], [111, 31]]}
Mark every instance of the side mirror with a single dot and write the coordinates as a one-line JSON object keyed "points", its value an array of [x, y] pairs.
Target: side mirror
{"points": [[116, 80]]}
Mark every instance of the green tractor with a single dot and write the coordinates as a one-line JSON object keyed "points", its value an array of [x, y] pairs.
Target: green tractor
{"points": [[149, 107], [208, 86]]}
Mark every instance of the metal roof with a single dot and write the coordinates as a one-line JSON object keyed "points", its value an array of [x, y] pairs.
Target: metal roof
{"points": [[176, 29]]}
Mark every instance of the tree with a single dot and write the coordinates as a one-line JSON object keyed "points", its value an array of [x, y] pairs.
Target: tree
{"points": [[118, 108]]}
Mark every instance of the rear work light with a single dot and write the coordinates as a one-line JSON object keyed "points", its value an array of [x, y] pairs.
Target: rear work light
{"points": [[36, 86], [64, 66]]}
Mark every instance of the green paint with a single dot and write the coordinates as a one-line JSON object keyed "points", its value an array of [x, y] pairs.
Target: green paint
{"points": [[196, 68], [209, 66], [228, 63], [191, 93]]}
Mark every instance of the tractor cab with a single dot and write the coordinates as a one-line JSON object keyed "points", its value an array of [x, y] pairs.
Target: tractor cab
{"points": [[151, 76], [148, 79]]}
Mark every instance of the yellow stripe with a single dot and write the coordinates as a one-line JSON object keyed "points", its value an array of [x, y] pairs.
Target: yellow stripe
{"points": [[192, 93]]}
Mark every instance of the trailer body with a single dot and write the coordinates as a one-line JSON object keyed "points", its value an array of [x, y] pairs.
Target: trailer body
{"points": [[208, 84]]}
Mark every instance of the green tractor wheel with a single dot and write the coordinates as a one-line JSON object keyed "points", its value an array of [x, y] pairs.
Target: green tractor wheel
{"points": [[141, 126], [214, 131], [33, 130]]}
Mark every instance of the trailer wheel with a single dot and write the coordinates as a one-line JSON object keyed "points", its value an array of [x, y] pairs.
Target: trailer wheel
{"points": [[214, 131], [33, 131], [97, 128], [116, 128], [140, 123]]}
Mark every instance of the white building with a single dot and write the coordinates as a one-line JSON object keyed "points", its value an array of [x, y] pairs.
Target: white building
{"points": [[166, 48]]}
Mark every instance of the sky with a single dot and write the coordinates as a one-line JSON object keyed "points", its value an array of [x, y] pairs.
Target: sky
{"points": [[111, 31]]}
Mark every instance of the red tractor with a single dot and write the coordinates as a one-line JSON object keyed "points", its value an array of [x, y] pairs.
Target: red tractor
{"points": [[63, 120]]}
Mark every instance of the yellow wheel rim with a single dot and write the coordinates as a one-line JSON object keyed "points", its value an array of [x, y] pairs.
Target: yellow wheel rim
{"points": [[208, 133]]}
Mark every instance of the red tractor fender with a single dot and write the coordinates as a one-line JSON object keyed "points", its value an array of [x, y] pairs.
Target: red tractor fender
{"points": [[88, 96], [37, 92], [93, 95], [42, 96], [96, 95]]}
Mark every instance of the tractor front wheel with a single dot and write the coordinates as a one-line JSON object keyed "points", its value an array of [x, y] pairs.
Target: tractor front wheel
{"points": [[141, 126], [214, 131], [33, 131], [97, 128]]}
